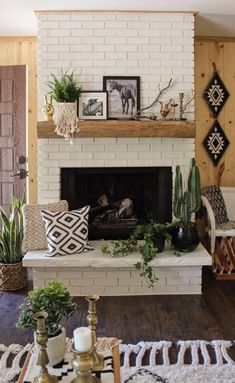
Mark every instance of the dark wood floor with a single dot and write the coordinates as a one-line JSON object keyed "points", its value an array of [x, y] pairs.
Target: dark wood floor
{"points": [[148, 318]]}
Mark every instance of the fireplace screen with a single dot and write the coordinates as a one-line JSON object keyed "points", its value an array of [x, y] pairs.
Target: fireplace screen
{"points": [[120, 198]]}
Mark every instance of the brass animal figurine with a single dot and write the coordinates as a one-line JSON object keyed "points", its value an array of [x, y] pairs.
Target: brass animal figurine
{"points": [[165, 108]]}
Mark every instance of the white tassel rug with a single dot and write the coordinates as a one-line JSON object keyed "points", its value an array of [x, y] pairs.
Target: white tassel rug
{"points": [[200, 370], [140, 362]]}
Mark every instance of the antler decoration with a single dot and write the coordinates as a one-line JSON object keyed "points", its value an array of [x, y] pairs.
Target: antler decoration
{"points": [[161, 91]]}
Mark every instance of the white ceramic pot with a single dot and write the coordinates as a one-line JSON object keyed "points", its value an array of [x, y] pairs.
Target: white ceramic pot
{"points": [[56, 347]]}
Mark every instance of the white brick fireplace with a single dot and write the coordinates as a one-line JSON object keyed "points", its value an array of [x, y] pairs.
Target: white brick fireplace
{"points": [[156, 47], [55, 154]]}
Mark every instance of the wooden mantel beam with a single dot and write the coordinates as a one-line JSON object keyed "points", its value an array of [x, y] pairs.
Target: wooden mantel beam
{"points": [[127, 128]]}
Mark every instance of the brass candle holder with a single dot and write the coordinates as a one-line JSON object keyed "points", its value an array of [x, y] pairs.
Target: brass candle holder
{"points": [[92, 322], [83, 364], [181, 97], [44, 376]]}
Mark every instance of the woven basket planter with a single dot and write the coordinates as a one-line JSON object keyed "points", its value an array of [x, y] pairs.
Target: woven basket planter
{"points": [[13, 276]]}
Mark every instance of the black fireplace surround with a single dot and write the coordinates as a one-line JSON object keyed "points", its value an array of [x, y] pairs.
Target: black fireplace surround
{"points": [[120, 198]]}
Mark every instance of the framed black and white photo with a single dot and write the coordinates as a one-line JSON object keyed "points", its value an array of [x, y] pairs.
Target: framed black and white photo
{"points": [[93, 105], [123, 96]]}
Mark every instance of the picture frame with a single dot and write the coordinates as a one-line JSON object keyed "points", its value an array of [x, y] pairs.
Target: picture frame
{"points": [[92, 105], [123, 96]]}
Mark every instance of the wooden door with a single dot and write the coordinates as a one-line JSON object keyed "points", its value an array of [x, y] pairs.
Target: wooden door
{"points": [[12, 133]]}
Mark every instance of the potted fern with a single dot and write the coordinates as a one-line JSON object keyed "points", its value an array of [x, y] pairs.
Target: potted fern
{"points": [[185, 236], [55, 299], [13, 276], [65, 90]]}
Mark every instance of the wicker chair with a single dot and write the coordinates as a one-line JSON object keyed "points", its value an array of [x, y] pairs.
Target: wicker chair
{"points": [[221, 229]]}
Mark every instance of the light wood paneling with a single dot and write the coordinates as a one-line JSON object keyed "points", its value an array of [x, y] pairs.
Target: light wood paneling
{"points": [[114, 128], [22, 51], [222, 53]]}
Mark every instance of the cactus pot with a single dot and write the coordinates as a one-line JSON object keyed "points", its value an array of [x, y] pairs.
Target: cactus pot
{"points": [[185, 237], [159, 242]]}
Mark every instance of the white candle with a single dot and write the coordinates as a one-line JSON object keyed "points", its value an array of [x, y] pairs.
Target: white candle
{"points": [[82, 339]]}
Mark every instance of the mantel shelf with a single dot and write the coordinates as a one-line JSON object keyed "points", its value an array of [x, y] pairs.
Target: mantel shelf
{"points": [[127, 128]]}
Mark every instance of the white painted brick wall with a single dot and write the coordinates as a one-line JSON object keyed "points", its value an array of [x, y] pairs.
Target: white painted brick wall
{"points": [[107, 152], [106, 282], [155, 46]]}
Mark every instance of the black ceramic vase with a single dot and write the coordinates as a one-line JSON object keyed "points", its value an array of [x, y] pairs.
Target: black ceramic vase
{"points": [[185, 237], [159, 242]]}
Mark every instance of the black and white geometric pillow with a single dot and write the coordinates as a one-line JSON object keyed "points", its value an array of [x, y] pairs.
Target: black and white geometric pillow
{"points": [[67, 232], [214, 194]]}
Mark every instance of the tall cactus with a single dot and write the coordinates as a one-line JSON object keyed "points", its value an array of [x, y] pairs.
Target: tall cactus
{"points": [[188, 202]]}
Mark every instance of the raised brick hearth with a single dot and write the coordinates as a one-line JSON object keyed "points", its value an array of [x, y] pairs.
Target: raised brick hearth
{"points": [[92, 272]]}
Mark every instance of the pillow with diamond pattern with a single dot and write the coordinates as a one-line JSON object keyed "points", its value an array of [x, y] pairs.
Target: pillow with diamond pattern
{"points": [[34, 228], [66, 232]]}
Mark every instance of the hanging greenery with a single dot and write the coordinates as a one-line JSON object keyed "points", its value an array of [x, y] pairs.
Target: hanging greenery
{"points": [[148, 250]]}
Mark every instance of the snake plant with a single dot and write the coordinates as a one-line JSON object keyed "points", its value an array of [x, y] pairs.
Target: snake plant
{"points": [[11, 232]]}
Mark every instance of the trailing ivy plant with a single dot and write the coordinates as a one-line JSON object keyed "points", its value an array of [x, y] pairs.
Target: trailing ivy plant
{"points": [[148, 250]]}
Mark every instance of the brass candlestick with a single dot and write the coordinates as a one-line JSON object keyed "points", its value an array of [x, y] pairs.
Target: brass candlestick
{"points": [[92, 322], [181, 97], [44, 376], [83, 364]]}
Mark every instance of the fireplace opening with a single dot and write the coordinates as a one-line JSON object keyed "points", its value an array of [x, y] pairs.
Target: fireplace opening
{"points": [[120, 198]]}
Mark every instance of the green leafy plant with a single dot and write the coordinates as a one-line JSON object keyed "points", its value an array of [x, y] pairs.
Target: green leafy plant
{"points": [[188, 202], [55, 300], [148, 250], [11, 234], [65, 88]]}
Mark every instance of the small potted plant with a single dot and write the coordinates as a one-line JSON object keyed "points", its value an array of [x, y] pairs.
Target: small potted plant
{"points": [[13, 276], [65, 91], [185, 236], [55, 299]]}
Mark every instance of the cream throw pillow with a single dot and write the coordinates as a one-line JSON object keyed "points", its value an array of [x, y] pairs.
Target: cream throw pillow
{"points": [[34, 228]]}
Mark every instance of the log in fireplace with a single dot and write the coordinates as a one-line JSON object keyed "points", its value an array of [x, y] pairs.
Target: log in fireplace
{"points": [[120, 198]]}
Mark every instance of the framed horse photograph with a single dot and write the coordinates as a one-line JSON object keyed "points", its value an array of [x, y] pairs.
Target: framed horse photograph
{"points": [[92, 105], [123, 96]]}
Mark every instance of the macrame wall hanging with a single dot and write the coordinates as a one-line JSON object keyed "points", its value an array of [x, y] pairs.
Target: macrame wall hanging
{"points": [[66, 120], [216, 143], [216, 93]]}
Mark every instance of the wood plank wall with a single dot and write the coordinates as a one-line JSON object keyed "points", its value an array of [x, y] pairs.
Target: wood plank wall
{"points": [[23, 51], [220, 51]]}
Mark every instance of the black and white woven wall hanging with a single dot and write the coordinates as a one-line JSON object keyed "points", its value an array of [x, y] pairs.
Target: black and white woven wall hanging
{"points": [[216, 94], [216, 143]]}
